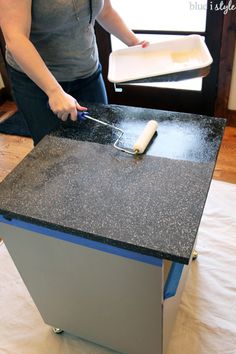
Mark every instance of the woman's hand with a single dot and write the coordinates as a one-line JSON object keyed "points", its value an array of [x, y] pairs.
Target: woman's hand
{"points": [[64, 105], [143, 43]]}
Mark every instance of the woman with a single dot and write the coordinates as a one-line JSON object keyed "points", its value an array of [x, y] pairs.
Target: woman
{"points": [[53, 59]]}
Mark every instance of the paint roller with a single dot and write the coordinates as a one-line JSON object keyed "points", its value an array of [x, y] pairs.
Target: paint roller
{"points": [[141, 143]]}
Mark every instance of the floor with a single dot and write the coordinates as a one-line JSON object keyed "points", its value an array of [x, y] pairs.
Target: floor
{"points": [[205, 322], [14, 148]]}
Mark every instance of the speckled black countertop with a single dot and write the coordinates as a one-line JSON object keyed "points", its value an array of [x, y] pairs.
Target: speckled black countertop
{"points": [[74, 180]]}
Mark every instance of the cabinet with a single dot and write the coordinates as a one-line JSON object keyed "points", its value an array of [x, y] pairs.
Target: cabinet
{"points": [[102, 239]]}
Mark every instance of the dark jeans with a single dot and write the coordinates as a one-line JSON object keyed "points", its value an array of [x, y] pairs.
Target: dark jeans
{"points": [[32, 101]]}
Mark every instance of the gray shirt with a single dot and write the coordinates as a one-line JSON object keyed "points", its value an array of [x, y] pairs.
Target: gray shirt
{"points": [[64, 37]]}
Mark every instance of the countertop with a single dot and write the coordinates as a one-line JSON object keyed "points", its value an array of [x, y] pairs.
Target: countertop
{"points": [[75, 181]]}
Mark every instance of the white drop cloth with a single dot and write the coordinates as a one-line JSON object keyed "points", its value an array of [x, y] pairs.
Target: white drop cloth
{"points": [[206, 321]]}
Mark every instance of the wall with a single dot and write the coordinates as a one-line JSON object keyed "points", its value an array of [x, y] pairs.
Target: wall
{"points": [[1, 82], [232, 95]]}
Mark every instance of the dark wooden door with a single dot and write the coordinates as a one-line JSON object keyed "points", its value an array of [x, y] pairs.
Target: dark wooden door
{"points": [[6, 92]]}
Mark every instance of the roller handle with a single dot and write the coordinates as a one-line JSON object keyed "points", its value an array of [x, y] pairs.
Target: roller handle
{"points": [[82, 115]]}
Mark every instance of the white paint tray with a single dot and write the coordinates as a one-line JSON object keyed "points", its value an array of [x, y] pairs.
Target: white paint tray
{"points": [[171, 60]]}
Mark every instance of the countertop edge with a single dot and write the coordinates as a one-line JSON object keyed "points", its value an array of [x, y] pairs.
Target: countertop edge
{"points": [[9, 216]]}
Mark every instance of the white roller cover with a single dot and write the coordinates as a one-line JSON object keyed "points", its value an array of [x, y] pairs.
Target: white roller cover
{"points": [[146, 136]]}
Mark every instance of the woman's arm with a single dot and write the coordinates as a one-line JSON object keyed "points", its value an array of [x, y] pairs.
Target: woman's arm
{"points": [[111, 21], [15, 22]]}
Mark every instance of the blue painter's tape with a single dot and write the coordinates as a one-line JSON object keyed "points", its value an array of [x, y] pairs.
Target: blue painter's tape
{"points": [[173, 280], [100, 246]]}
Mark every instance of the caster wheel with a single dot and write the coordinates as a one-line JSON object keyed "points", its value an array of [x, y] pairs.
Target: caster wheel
{"points": [[57, 330], [194, 255]]}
